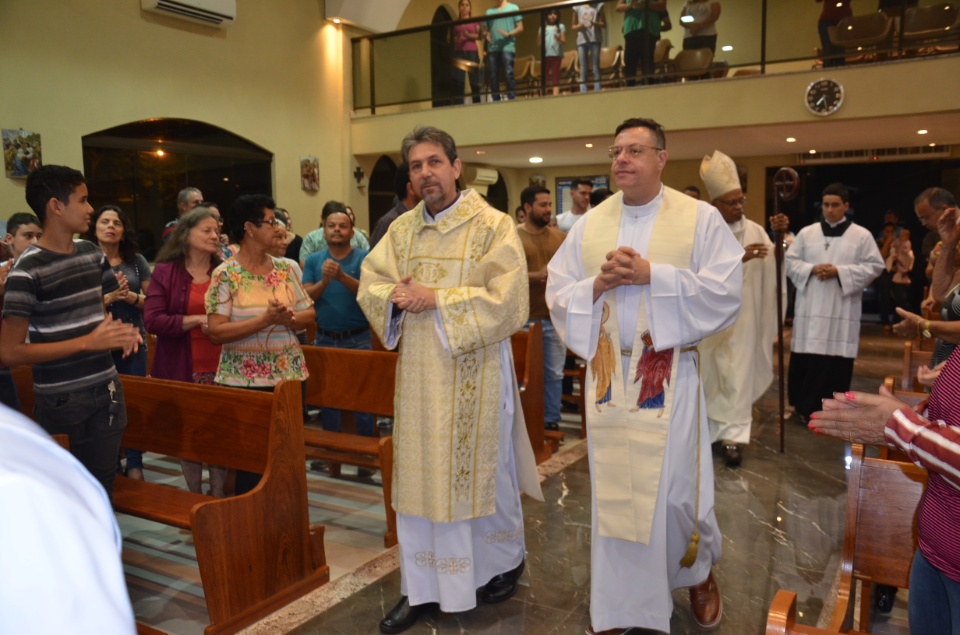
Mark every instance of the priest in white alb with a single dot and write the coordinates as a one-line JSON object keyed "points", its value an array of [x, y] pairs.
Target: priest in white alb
{"points": [[737, 363], [831, 262], [665, 271], [448, 284]]}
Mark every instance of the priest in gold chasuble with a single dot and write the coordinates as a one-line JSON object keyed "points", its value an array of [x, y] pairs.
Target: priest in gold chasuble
{"points": [[448, 284], [657, 271]]}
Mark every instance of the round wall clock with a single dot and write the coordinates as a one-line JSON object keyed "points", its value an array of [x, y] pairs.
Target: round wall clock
{"points": [[824, 97]]}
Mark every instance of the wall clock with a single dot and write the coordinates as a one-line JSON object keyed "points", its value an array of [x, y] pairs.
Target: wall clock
{"points": [[824, 97]]}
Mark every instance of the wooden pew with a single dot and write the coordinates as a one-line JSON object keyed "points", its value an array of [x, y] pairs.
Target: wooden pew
{"points": [[913, 358], [528, 363], [878, 545], [361, 381], [256, 552], [578, 375]]}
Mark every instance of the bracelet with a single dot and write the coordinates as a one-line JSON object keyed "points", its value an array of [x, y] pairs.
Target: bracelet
{"points": [[925, 329]]}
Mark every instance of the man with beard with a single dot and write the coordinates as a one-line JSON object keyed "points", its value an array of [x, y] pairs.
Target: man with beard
{"points": [[540, 242], [448, 283]]}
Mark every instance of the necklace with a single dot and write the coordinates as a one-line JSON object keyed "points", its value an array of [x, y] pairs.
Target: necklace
{"points": [[826, 244]]}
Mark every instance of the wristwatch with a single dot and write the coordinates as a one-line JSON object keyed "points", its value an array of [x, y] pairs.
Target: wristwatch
{"points": [[925, 329]]}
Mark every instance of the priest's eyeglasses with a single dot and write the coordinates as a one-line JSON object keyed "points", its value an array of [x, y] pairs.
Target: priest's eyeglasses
{"points": [[737, 201], [634, 151]]}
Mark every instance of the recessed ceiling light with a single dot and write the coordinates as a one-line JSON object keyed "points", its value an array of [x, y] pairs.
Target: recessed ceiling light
{"points": [[160, 153], [933, 145], [536, 159], [921, 132], [726, 48], [336, 20], [588, 145], [226, 178], [813, 152], [791, 139], [481, 151]]}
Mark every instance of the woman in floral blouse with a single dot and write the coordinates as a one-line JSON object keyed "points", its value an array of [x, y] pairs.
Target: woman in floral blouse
{"points": [[255, 305]]}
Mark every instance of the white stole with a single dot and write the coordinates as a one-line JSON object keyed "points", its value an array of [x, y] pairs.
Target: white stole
{"points": [[628, 436]]}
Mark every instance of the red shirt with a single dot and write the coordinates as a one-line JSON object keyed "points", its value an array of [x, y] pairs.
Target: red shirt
{"points": [[835, 10]]}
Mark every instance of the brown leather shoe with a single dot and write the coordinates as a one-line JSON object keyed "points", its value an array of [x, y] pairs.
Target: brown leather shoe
{"points": [[706, 603]]}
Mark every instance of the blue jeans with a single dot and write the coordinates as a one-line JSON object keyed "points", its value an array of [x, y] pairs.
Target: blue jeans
{"points": [[134, 364], [460, 79], [554, 354], [934, 604], [594, 58], [497, 60], [8, 391], [93, 421], [330, 417]]}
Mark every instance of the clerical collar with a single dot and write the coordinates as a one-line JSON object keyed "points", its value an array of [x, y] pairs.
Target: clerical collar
{"points": [[647, 208], [836, 229], [432, 220]]}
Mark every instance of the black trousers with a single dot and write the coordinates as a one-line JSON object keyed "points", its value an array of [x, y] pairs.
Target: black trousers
{"points": [[816, 377]]}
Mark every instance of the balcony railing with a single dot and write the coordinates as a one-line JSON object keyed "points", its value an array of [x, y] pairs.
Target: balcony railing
{"points": [[421, 68]]}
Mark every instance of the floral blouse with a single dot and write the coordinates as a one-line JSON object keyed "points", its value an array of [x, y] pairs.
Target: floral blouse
{"points": [[268, 356]]}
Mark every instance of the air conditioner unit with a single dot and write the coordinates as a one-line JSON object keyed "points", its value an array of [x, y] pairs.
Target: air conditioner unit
{"points": [[216, 13], [479, 179]]}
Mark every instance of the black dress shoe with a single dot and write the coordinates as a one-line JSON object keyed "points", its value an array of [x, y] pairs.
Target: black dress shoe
{"points": [[403, 616], [732, 455], [883, 597], [502, 587]]}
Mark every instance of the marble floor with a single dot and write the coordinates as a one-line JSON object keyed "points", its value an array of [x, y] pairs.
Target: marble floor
{"points": [[782, 517]]}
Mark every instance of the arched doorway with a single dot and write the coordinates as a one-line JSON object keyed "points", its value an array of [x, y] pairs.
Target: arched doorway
{"points": [[497, 195], [382, 193], [141, 166]]}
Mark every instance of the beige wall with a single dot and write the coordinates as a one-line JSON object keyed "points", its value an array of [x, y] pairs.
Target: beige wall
{"points": [[68, 69]]}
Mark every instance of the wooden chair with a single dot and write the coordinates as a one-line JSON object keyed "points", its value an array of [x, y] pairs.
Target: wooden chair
{"points": [[661, 56], [579, 398], [527, 349], [936, 26], [569, 69], [910, 397], [691, 64], [353, 380], [611, 65], [859, 33], [878, 546], [256, 552], [912, 360]]}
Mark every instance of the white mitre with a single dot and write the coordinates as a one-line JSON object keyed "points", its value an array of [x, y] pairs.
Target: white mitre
{"points": [[719, 174]]}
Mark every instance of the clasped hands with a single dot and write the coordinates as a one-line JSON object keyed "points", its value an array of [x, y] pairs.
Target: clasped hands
{"points": [[824, 271], [624, 266], [413, 297], [279, 313]]}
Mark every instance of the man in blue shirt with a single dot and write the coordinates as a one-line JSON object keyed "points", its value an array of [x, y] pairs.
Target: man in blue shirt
{"points": [[502, 46], [331, 277]]}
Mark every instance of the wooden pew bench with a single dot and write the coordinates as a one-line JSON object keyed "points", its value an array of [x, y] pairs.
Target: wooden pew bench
{"points": [[256, 552], [878, 545], [357, 381], [528, 364]]}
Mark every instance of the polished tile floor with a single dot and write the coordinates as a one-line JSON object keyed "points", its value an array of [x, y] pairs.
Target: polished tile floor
{"points": [[782, 516]]}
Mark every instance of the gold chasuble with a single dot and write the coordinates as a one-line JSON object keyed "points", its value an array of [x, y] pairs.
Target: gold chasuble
{"points": [[448, 399], [630, 418]]}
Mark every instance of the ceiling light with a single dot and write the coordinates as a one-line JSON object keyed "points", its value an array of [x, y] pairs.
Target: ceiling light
{"points": [[726, 48], [536, 159], [160, 153], [921, 132], [481, 151], [933, 145], [813, 152], [791, 139], [226, 178], [588, 145], [336, 20]]}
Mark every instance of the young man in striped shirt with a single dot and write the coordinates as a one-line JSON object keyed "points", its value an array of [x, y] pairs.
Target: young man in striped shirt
{"points": [[54, 295]]}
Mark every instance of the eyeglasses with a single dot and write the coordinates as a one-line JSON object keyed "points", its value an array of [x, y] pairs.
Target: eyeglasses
{"points": [[269, 221], [737, 201], [634, 151]]}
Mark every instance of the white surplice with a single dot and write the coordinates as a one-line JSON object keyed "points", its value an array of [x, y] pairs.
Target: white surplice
{"points": [[737, 363], [826, 316], [631, 583]]}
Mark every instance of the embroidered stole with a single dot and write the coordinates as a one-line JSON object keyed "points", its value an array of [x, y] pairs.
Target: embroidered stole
{"points": [[628, 418]]}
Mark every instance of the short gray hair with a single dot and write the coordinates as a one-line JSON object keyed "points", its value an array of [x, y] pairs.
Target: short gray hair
{"points": [[184, 196], [936, 197]]}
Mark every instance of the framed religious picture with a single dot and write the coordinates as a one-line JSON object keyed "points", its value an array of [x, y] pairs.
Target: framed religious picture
{"points": [[21, 152], [309, 174], [565, 183], [538, 179]]}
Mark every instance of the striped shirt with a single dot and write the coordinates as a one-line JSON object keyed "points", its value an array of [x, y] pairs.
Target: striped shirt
{"points": [[935, 445], [61, 295]]}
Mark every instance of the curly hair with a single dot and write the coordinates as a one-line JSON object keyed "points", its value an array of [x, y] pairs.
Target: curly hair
{"points": [[128, 242]]}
